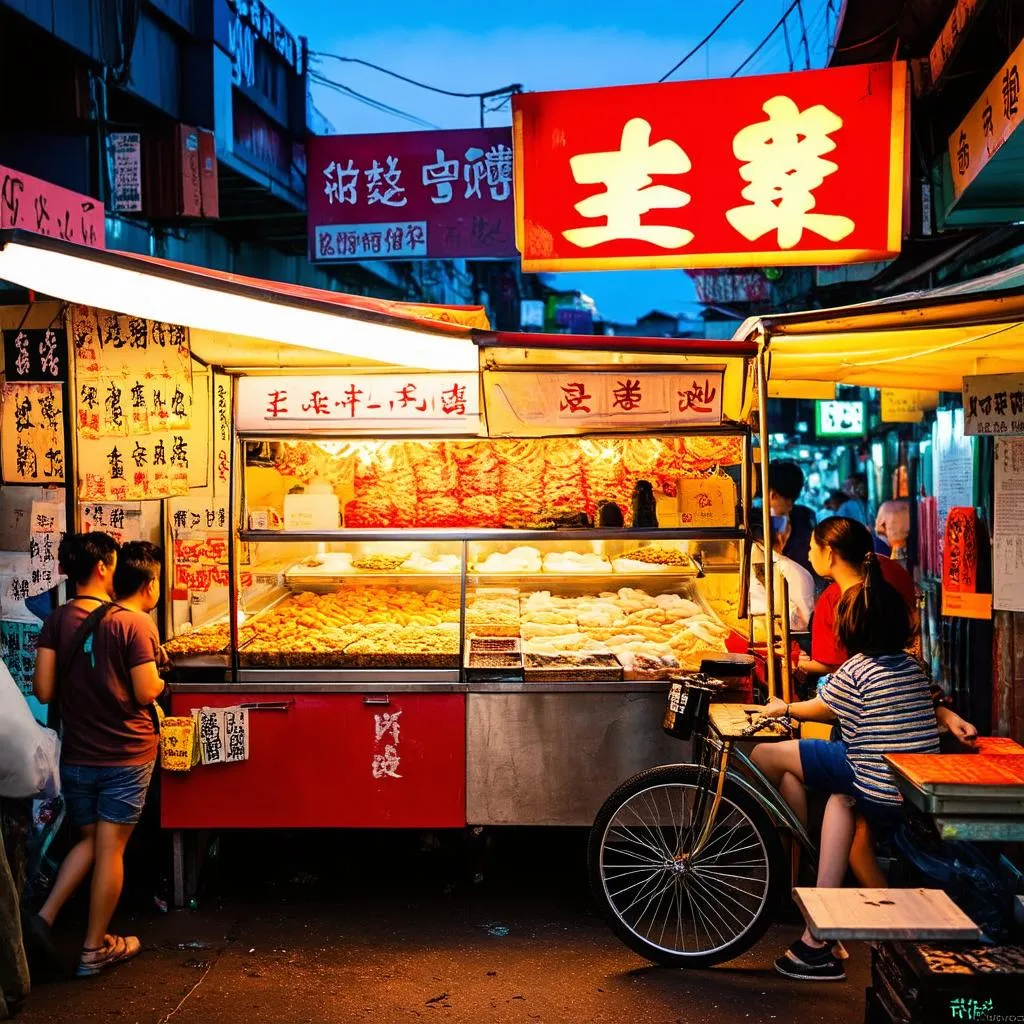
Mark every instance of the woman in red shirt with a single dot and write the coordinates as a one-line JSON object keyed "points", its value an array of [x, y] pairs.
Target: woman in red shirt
{"points": [[839, 549]]}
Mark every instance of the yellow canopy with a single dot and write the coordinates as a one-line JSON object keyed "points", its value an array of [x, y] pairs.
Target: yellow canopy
{"points": [[928, 340]]}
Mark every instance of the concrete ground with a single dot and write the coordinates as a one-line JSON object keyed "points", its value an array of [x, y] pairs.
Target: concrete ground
{"points": [[307, 928]]}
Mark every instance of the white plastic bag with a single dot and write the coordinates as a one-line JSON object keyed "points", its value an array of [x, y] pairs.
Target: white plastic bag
{"points": [[29, 754]]}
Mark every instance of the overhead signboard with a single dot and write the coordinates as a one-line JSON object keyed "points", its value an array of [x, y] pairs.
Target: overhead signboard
{"points": [[32, 204], [905, 405], [417, 403], [994, 404], [839, 419], [801, 168], [521, 404], [410, 195], [951, 35], [988, 125]]}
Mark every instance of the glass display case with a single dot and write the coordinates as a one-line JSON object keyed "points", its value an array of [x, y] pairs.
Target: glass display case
{"points": [[477, 561]]}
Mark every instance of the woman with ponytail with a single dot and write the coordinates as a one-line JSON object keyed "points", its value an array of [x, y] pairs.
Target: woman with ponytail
{"points": [[881, 697], [842, 550]]}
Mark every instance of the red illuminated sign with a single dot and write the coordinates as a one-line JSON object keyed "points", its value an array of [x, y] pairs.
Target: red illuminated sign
{"points": [[32, 204], [408, 195], [801, 168]]}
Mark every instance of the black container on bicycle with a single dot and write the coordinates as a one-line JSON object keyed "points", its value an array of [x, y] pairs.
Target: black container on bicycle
{"points": [[687, 711]]}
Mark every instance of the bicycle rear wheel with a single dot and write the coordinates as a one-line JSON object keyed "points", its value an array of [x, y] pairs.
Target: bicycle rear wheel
{"points": [[670, 905]]}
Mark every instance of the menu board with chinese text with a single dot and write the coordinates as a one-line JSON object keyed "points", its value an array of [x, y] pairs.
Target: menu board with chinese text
{"points": [[32, 424], [142, 426]]}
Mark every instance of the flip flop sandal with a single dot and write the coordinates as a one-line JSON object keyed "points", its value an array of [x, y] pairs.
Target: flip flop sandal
{"points": [[119, 949]]}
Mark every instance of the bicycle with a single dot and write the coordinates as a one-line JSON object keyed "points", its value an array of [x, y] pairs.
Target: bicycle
{"points": [[687, 860]]}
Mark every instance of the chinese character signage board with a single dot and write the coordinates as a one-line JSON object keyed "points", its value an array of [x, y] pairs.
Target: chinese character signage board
{"points": [[584, 401], [134, 408], [950, 36], [36, 354], [32, 426], [906, 405], [124, 165], [988, 125], [800, 168], [442, 195], [839, 419], [994, 404], [413, 403], [1008, 536], [32, 204]]}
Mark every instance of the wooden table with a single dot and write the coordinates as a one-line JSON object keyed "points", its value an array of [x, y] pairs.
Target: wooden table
{"points": [[876, 914]]}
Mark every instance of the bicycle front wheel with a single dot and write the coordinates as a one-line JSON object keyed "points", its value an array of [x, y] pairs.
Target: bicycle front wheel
{"points": [[669, 899]]}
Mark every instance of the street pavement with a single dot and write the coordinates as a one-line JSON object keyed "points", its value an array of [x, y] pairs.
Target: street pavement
{"points": [[328, 928]]}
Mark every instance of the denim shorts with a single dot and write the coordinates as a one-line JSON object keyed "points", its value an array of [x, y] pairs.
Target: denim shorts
{"points": [[828, 770], [116, 794]]}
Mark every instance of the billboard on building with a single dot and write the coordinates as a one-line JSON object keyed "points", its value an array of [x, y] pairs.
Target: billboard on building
{"points": [[800, 168], [411, 195]]}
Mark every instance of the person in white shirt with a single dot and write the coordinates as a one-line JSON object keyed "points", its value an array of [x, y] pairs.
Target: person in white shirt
{"points": [[798, 579]]}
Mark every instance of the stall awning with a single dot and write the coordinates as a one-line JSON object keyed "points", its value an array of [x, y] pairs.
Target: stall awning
{"points": [[928, 340], [244, 322]]}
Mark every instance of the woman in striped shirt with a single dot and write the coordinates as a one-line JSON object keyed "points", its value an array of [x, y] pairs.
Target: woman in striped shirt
{"points": [[882, 701]]}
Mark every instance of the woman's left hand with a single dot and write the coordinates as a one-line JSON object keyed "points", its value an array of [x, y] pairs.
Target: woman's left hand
{"points": [[775, 708]]}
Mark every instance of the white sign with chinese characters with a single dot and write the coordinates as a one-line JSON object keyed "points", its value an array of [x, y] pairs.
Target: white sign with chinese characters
{"points": [[994, 404], [395, 240], [411, 403], [524, 404], [1008, 535]]}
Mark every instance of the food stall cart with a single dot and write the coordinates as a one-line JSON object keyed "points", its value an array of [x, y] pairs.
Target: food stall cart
{"points": [[383, 567], [466, 648]]}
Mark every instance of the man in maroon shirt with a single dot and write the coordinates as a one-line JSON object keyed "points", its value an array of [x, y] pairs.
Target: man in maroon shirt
{"points": [[106, 694]]}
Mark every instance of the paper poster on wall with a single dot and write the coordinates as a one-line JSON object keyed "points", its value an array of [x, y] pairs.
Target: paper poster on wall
{"points": [[18, 651], [1008, 533], [221, 434], [16, 505], [953, 465], [16, 587], [32, 425], [116, 470], [108, 345]]}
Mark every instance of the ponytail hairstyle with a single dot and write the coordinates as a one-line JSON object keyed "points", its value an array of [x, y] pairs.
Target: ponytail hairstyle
{"points": [[872, 617], [849, 540]]}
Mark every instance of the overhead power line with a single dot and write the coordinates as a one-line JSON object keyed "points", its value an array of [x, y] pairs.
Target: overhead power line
{"points": [[760, 46], [707, 39], [516, 87], [369, 101]]}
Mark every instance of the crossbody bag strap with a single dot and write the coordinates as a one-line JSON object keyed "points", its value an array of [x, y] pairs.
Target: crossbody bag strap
{"points": [[87, 627]]}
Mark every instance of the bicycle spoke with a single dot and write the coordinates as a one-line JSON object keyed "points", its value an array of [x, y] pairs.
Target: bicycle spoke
{"points": [[681, 905], [723, 895], [717, 906]]}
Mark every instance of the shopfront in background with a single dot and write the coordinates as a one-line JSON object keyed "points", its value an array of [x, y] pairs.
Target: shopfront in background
{"points": [[966, 528]]}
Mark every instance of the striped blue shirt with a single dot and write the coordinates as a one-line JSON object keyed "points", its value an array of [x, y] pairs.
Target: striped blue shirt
{"points": [[884, 706]]}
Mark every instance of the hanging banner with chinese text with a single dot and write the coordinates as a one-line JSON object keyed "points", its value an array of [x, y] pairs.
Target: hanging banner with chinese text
{"points": [[906, 405], [440, 195], [584, 401], [988, 125], [39, 355], [753, 171], [32, 425], [382, 403], [994, 404], [31, 204], [134, 402], [221, 434]]}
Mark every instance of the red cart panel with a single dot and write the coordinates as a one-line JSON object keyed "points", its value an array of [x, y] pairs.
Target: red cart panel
{"points": [[329, 760]]}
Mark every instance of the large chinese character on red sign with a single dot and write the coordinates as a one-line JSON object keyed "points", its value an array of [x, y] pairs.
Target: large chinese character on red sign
{"points": [[802, 168], [442, 195]]}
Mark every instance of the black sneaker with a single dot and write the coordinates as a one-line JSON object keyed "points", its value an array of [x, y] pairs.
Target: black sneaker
{"points": [[806, 963]]}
